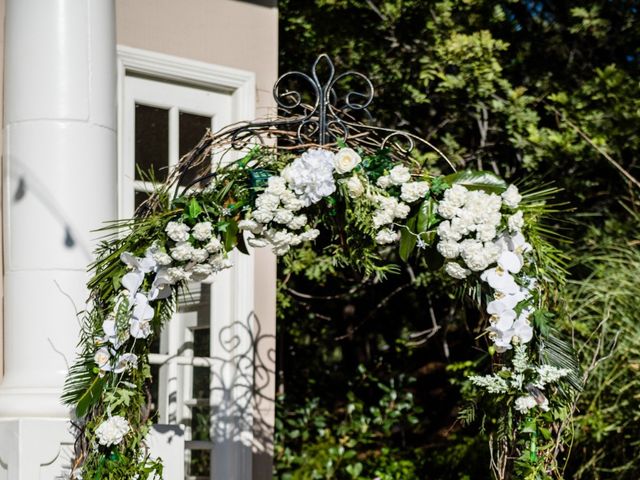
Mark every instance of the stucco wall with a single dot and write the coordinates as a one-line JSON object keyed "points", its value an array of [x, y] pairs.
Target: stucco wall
{"points": [[225, 32]]}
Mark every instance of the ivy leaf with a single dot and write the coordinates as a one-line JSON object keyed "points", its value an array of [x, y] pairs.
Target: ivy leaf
{"points": [[474, 180], [90, 397], [408, 239]]}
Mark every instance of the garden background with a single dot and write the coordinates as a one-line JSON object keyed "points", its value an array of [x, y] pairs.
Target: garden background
{"points": [[372, 374]]}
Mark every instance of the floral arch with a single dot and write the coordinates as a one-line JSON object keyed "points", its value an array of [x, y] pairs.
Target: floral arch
{"points": [[317, 174]]}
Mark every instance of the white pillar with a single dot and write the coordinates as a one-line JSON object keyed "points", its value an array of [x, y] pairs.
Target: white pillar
{"points": [[59, 183]]}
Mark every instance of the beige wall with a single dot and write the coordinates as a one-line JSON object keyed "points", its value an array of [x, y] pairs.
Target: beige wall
{"points": [[241, 35], [2, 4], [225, 32]]}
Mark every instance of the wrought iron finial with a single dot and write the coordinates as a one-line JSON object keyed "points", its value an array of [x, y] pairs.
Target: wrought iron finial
{"points": [[323, 117]]}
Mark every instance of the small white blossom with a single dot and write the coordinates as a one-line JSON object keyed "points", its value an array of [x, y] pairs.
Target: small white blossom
{"points": [[214, 245], [201, 272], [267, 201], [447, 209], [525, 403], [162, 258], [456, 196], [290, 201], [456, 271], [346, 160], [309, 235], [399, 175], [177, 231], [257, 242], [414, 191], [491, 383], [401, 210], [112, 431], [384, 181], [549, 374], [202, 231], [220, 263], [448, 249], [262, 215], [511, 197], [276, 185], [199, 255], [355, 187], [387, 236], [177, 274]]}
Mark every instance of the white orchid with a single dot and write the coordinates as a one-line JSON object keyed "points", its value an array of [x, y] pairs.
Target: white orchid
{"points": [[140, 326], [125, 361], [500, 280]]}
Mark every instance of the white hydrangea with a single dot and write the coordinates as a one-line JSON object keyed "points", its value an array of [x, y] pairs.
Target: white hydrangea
{"points": [[112, 431], [177, 231], [414, 191], [202, 231], [511, 197], [297, 222], [455, 270], [311, 176], [182, 252], [355, 187], [399, 175], [387, 236], [346, 160], [516, 222]]}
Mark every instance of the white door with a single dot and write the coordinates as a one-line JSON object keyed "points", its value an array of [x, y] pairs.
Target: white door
{"points": [[202, 364]]}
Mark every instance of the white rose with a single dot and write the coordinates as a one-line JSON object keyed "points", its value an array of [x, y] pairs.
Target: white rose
{"points": [[298, 222], [103, 359], [399, 175], [176, 231], [456, 271], [384, 181], [214, 245], [283, 216], [387, 236], [202, 231], [182, 251], [414, 191], [355, 187], [511, 197], [112, 431], [516, 222], [346, 160]]}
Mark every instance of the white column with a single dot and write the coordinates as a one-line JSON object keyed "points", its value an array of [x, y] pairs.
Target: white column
{"points": [[59, 183]]}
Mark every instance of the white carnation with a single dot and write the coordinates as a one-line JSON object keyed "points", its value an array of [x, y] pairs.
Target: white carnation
{"points": [[250, 226], [182, 251], [456, 195], [162, 258], [177, 231], [447, 209], [346, 160], [486, 232], [445, 232], [516, 222], [448, 249], [456, 271], [382, 217], [384, 181], [311, 176], [386, 236], [309, 235], [262, 216], [414, 191], [401, 210], [267, 201], [399, 175], [199, 255], [283, 216], [511, 197], [257, 242], [297, 222], [290, 201], [220, 263], [276, 185], [201, 272], [214, 245], [355, 187], [112, 431], [202, 231], [177, 275]]}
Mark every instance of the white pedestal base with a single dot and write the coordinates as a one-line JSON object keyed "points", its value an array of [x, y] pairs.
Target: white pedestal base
{"points": [[35, 449]]}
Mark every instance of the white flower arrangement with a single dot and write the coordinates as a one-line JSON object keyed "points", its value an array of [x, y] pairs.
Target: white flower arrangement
{"points": [[112, 431]]}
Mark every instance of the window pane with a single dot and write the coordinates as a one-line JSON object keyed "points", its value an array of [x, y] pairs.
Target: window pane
{"points": [[152, 141], [192, 128], [201, 342], [140, 198]]}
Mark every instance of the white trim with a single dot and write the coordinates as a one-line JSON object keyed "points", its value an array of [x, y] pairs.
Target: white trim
{"points": [[240, 84]]}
